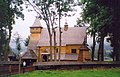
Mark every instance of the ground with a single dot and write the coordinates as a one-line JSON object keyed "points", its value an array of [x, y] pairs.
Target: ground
{"points": [[113, 72]]}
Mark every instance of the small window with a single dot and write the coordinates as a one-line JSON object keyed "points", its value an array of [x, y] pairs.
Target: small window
{"points": [[56, 50], [73, 50]]}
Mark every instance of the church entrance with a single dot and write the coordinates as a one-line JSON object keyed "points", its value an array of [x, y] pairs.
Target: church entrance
{"points": [[44, 58]]}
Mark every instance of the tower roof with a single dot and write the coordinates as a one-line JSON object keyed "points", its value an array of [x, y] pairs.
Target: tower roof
{"points": [[36, 23]]}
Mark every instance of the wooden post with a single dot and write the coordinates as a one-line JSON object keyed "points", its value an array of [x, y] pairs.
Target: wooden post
{"points": [[19, 64], [39, 54]]}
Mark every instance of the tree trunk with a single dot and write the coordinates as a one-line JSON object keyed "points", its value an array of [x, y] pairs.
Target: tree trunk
{"points": [[101, 49], [118, 55], [117, 50], [59, 36], [6, 52], [114, 57], [7, 47], [50, 47], [55, 45], [116, 47], [93, 47], [50, 36], [1, 44]]}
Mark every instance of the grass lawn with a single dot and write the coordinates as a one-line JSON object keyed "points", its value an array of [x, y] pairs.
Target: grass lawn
{"points": [[114, 72]]}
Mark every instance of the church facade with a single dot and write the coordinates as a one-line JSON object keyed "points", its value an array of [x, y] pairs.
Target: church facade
{"points": [[73, 43]]}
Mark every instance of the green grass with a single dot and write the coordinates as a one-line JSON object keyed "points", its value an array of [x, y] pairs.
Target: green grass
{"points": [[114, 72]]}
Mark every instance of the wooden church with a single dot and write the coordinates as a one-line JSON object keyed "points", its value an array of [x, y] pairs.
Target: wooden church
{"points": [[73, 43]]}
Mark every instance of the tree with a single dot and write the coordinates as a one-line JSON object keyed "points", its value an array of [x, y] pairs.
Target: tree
{"points": [[114, 29], [17, 40], [50, 11], [9, 9], [88, 16], [111, 23], [96, 14]]}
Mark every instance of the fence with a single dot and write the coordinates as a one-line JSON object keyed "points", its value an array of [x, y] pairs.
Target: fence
{"points": [[76, 65], [11, 68]]}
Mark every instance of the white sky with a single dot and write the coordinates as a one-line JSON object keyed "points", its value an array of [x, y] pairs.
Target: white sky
{"points": [[22, 26]]}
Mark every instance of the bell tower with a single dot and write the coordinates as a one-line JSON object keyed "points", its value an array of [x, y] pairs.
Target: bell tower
{"points": [[66, 26], [36, 29]]}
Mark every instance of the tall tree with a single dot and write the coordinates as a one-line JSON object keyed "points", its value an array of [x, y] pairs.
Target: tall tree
{"points": [[17, 40], [114, 29], [111, 23], [97, 15], [89, 16], [9, 9]]}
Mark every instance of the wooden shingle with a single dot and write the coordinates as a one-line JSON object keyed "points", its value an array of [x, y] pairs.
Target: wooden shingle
{"points": [[30, 54]]}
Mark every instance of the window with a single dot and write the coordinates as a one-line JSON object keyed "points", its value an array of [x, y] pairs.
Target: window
{"points": [[73, 50], [56, 50]]}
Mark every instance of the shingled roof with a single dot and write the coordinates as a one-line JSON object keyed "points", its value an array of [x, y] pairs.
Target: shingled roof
{"points": [[33, 44], [73, 36], [36, 23], [30, 54]]}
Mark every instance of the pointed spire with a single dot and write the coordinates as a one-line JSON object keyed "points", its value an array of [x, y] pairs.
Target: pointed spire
{"points": [[37, 22]]}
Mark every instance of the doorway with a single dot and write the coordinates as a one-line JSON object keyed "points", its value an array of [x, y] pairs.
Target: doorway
{"points": [[44, 58]]}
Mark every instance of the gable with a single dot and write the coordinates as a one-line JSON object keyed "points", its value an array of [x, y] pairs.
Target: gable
{"points": [[30, 54]]}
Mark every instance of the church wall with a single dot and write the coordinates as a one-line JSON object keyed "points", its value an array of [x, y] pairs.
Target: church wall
{"points": [[64, 49], [36, 35], [47, 48], [69, 49]]}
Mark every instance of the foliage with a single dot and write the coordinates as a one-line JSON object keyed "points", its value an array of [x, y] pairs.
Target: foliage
{"points": [[27, 41], [17, 40], [98, 15], [80, 22], [9, 9], [114, 29], [104, 18], [114, 72]]}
